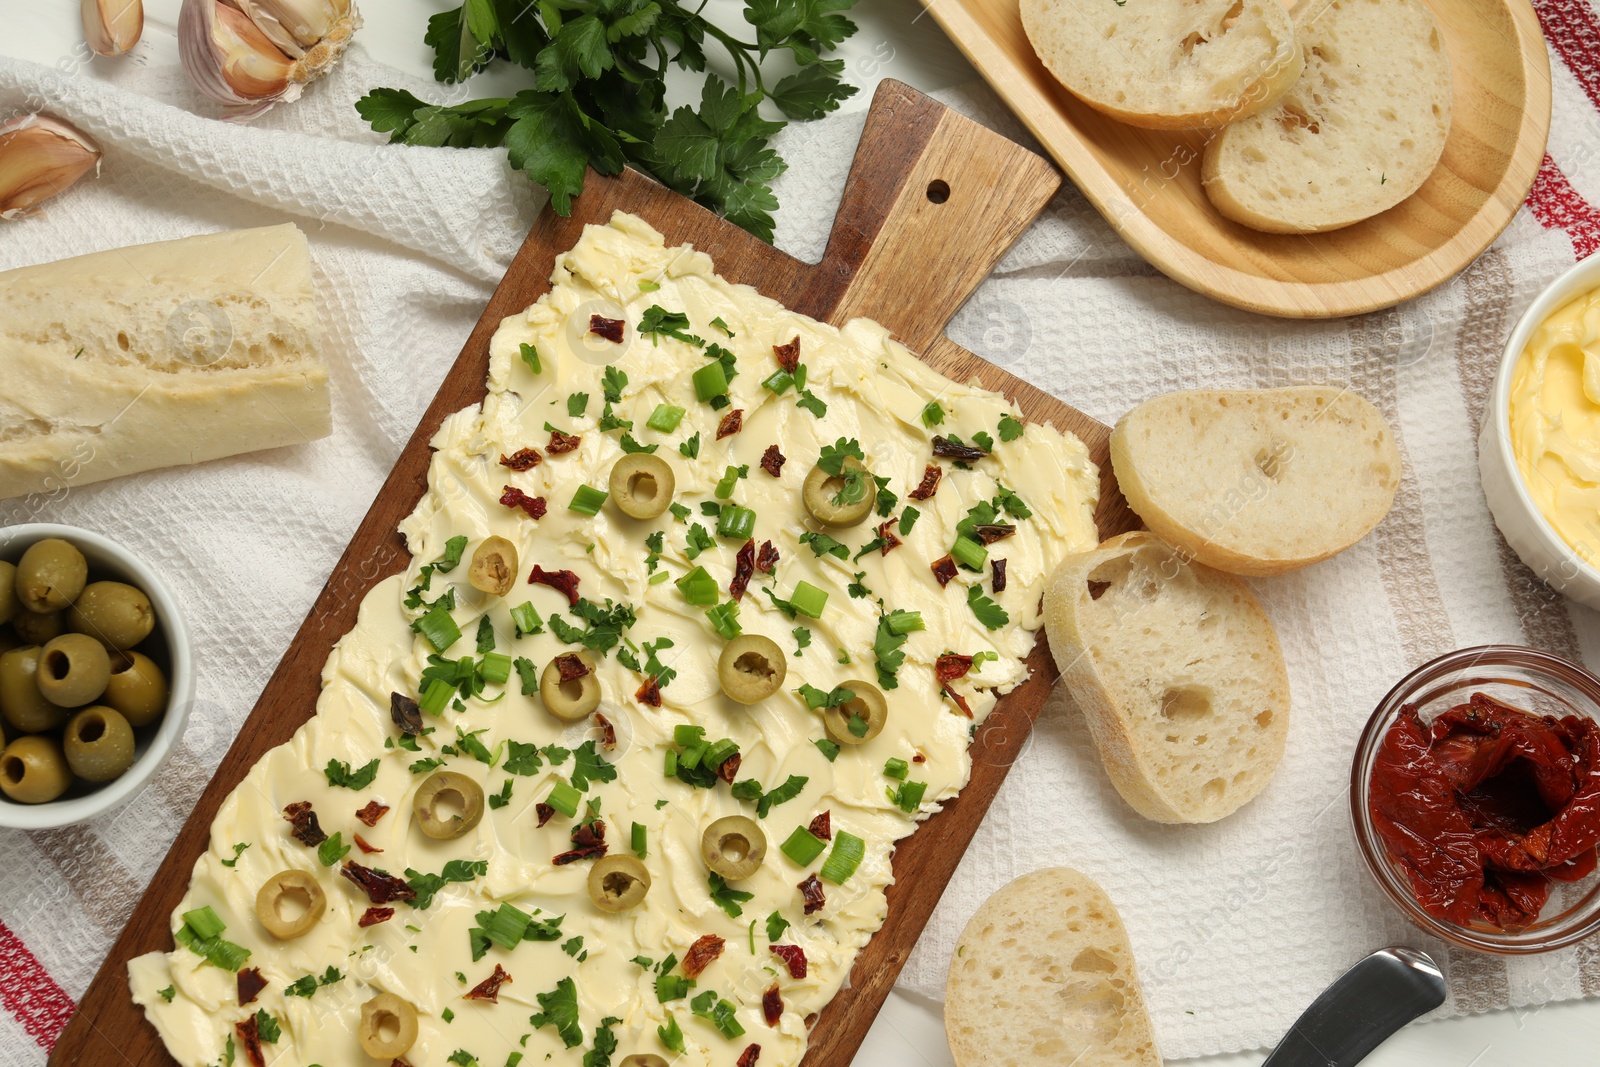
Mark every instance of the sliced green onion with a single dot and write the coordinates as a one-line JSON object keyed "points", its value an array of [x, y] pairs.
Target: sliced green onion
{"points": [[848, 852], [969, 553], [719, 752], [436, 697], [564, 799], [507, 925], [901, 623], [710, 381], [659, 576], [691, 756], [495, 667], [588, 500], [526, 619], [736, 522], [909, 796], [665, 418], [215, 950], [808, 600], [800, 378], [730, 478], [639, 843], [669, 767], [698, 587], [778, 381], [684, 736], [439, 628], [724, 618], [204, 922], [897, 769], [803, 846]]}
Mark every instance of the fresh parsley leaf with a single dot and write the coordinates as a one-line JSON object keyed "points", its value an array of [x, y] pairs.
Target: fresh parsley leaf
{"points": [[523, 759], [559, 1009], [167, 994], [823, 545], [812, 402], [802, 639], [933, 414], [502, 798], [1010, 428], [690, 448], [426, 885], [781, 795], [729, 900], [338, 773], [577, 403], [908, 519], [697, 541], [238, 850], [886, 645], [267, 1027], [817, 699], [630, 446], [613, 383], [527, 675], [776, 925], [989, 613], [588, 766], [333, 849], [530, 356]]}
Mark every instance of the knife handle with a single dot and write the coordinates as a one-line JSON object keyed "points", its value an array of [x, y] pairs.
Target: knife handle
{"points": [[1359, 1011]]}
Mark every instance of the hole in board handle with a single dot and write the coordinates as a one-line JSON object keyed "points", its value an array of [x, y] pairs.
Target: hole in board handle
{"points": [[938, 190]]}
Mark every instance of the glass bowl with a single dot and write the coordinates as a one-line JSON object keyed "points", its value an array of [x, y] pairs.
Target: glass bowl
{"points": [[1523, 678]]}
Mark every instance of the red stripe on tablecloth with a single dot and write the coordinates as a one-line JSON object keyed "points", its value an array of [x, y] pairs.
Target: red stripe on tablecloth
{"points": [[29, 993], [1558, 206], [1573, 30]]}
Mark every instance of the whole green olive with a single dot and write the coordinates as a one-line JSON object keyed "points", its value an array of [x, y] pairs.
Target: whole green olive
{"points": [[136, 688], [290, 904], [9, 605], [823, 494], [33, 770], [494, 566], [859, 719], [447, 804], [388, 1027], [116, 614], [642, 484], [73, 670], [751, 668], [574, 698], [98, 744], [21, 702], [618, 882], [734, 847], [50, 575], [642, 1059], [37, 629]]}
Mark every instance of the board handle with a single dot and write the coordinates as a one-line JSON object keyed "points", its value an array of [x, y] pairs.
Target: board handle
{"points": [[961, 194]]}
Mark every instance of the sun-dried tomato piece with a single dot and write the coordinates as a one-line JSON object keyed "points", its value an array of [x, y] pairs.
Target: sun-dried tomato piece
{"points": [[749, 1056], [948, 449], [374, 916], [930, 482], [489, 988], [960, 701], [544, 811], [362, 844], [998, 568], [608, 733], [571, 666], [405, 714], [649, 693], [304, 824], [793, 957], [771, 1009], [702, 954], [811, 893], [767, 558], [744, 568], [788, 355], [562, 443], [991, 532], [729, 768], [372, 812], [950, 666], [610, 329], [822, 826], [381, 887], [772, 460], [944, 569], [588, 842], [564, 582], [249, 1032], [250, 985], [919, 758], [887, 535], [731, 423], [522, 459], [534, 506]]}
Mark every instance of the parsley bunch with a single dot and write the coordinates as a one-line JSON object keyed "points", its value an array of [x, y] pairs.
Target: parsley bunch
{"points": [[598, 93]]}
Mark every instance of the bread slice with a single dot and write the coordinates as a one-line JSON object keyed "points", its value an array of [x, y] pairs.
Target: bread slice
{"points": [[1359, 132], [1167, 64], [1257, 481], [1043, 976], [1178, 672], [158, 355]]}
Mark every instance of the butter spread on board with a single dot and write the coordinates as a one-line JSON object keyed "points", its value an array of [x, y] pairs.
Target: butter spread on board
{"points": [[583, 981]]}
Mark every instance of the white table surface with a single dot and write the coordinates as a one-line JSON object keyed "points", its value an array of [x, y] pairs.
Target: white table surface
{"points": [[895, 40]]}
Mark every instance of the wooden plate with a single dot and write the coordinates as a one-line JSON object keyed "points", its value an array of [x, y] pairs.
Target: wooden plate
{"points": [[1147, 182]]}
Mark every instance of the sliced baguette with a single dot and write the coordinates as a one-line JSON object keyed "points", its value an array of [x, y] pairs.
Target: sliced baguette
{"points": [[1178, 673], [1257, 481], [1359, 132], [1167, 64], [1043, 976]]}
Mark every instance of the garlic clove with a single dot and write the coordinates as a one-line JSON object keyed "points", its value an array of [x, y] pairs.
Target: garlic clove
{"points": [[112, 27], [40, 157], [229, 59], [295, 25]]}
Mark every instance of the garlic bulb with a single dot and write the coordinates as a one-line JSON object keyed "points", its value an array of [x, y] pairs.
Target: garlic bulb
{"points": [[111, 27], [251, 54], [40, 157]]}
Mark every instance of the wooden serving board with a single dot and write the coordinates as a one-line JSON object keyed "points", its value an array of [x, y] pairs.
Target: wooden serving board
{"points": [[898, 252]]}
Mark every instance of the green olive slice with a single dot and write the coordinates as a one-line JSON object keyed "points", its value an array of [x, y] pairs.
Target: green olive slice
{"points": [[73, 670], [867, 705], [494, 566], [618, 882], [290, 904], [751, 668], [820, 489], [734, 847], [642, 484], [21, 702], [50, 575], [99, 744], [447, 804], [33, 770], [388, 1026], [116, 614], [575, 698]]}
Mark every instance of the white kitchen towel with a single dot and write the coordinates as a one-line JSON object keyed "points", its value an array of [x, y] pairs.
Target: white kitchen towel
{"points": [[1236, 925]]}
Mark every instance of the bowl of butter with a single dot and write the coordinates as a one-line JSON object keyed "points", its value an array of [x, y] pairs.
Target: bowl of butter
{"points": [[1539, 447]]}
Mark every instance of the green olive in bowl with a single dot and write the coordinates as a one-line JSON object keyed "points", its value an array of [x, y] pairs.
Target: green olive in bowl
{"points": [[734, 847], [50, 575], [574, 698], [116, 614], [36, 629], [859, 719], [751, 668], [98, 744], [618, 882], [290, 904], [447, 804], [23, 705], [9, 605], [824, 495], [642, 484], [33, 770], [73, 670], [136, 688]]}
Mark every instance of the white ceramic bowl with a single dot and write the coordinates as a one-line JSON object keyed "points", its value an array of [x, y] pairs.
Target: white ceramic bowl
{"points": [[169, 642], [1525, 528]]}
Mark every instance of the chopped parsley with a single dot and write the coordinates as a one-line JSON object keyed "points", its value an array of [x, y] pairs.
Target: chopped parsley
{"points": [[1010, 429], [823, 545], [853, 479], [559, 1009], [886, 646], [908, 519], [729, 900], [338, 773], [816, 699], [933, 414], [629, 445], [720, 1013], [690, 447], [426, 885], [802, 640], [238, 850], [989, 613], [658, 322], [333, 849], [776, 925], [577, 403], [605, 624], [587, 766], [502, 798], [697, 540], [613, 382], [530, 356]]}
